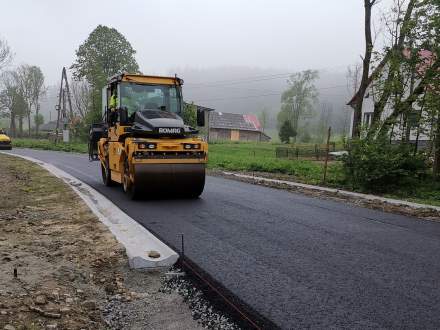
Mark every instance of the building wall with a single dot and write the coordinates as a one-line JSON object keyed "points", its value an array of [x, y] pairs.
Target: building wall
{"points": [[235, 135], [367, 117]]}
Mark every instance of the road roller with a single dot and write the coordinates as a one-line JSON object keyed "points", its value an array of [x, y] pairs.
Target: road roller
{"points": [[143, 143]]}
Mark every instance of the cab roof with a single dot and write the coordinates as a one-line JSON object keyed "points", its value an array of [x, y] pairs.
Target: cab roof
{"points": [[146, 79]]}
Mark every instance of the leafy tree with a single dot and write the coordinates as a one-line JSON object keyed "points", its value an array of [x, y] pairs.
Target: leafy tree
{"points": [[306, 137], [298, 100], [106, 52], [324, 121], [286, 132], [12, 102], [263, 117], [31, 85], [38, 119], [38, 89], [190, 114]]}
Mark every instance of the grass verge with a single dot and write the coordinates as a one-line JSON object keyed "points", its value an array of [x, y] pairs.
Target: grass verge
{"points": [[260, 158], [49, 145]]}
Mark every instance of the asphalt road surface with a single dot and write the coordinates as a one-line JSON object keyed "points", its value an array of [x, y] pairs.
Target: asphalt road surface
{"points": [[301, 262]]}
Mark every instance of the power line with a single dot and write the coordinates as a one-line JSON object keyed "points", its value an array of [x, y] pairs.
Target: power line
{"points": [[240, 81], [261, 95], [253, 78], [238, 97]]}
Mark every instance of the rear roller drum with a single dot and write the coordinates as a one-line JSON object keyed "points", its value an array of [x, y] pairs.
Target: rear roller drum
{"points": [[128, 185], [106, 175]]}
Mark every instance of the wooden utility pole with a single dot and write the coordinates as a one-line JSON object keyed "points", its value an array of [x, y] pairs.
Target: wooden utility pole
{"points": [[326, 155]]}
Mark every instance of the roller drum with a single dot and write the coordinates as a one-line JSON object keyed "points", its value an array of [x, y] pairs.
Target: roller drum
{"points": [[185, 180]]}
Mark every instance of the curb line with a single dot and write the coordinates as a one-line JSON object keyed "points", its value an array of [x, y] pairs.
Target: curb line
{"points": [[136, 239], [339, 192]]}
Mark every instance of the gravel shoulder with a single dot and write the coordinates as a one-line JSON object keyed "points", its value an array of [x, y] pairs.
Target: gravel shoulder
{"points": [[71, 273]]}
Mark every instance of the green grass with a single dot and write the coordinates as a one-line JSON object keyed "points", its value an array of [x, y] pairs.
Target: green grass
{"points": [[49, 145], [426, 192], [260, 157]]}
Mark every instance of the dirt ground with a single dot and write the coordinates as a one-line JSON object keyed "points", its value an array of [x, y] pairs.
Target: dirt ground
{"points": [[62, 269], [421, 213]]}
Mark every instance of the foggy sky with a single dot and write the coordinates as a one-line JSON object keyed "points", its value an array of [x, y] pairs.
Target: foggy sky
{"points": [[277, 34]]}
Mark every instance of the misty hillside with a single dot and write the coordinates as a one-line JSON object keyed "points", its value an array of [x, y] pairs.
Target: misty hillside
{"points": [[244, 90], [250, 90]]}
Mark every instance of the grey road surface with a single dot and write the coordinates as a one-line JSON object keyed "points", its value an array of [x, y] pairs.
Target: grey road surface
{"points": [[302, 262]]}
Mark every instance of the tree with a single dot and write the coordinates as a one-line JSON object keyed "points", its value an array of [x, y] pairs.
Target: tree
{"points": [[38, 120], [81, 96], [263, 117], [5, 54], [412, 67], [353, 77], [106, 52], [31, 85], [324, 121], [38, 89], [189, 114], [306, 137], [12, 103], [385, 73], [391, 82], [286, 132], [298, 100], [357, 100]]}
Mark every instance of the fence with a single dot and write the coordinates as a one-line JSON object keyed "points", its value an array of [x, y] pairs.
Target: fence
{"points": [[317, 151]]}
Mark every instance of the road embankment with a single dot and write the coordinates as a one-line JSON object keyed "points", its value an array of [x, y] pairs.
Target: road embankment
{"points": [[62, 268]]}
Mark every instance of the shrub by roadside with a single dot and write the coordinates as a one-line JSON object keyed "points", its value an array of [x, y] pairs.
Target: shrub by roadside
{"points": [[378, 166]]}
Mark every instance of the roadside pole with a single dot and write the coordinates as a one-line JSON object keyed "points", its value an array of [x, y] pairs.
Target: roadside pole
{"points": [[327, 149]]}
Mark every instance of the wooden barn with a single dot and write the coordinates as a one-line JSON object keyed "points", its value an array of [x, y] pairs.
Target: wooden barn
{"points": [[235, 127]]}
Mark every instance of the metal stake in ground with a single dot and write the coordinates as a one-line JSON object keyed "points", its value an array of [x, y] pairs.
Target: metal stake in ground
{"points": [[326, 155], [183, 246]]}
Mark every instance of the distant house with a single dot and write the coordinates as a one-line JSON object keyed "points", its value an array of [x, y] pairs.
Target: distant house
{"points": [[235, 127]]}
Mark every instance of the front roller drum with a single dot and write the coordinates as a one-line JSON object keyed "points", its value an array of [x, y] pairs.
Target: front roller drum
{"points": [[168, 180]]}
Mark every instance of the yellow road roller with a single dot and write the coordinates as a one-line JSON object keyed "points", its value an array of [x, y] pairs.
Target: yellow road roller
{"points": [[143, 143]]}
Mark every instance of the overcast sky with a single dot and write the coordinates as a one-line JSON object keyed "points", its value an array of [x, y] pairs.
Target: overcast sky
{"points": [[289, 34]]}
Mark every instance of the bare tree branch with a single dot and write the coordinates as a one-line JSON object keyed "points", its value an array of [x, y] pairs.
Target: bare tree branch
{"points": [[5, 54]]}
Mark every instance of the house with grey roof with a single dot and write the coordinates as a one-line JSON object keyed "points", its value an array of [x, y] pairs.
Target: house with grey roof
{"points": [[235, 127]]}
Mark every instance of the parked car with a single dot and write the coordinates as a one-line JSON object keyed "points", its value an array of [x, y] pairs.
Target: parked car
{"points": [[5, 141]]}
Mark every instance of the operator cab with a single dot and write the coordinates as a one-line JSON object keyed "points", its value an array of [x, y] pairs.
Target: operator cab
{"points": [[148, 96], [126, 94]]}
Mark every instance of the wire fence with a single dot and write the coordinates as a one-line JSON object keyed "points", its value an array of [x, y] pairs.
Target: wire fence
{"points": [[315, 152]]}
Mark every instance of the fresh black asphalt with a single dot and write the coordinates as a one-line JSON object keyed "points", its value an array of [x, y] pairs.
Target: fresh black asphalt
{"points": [[301, 262]]}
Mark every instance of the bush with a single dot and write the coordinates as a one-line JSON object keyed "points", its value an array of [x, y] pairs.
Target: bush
{"points": [[378, 166]]}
